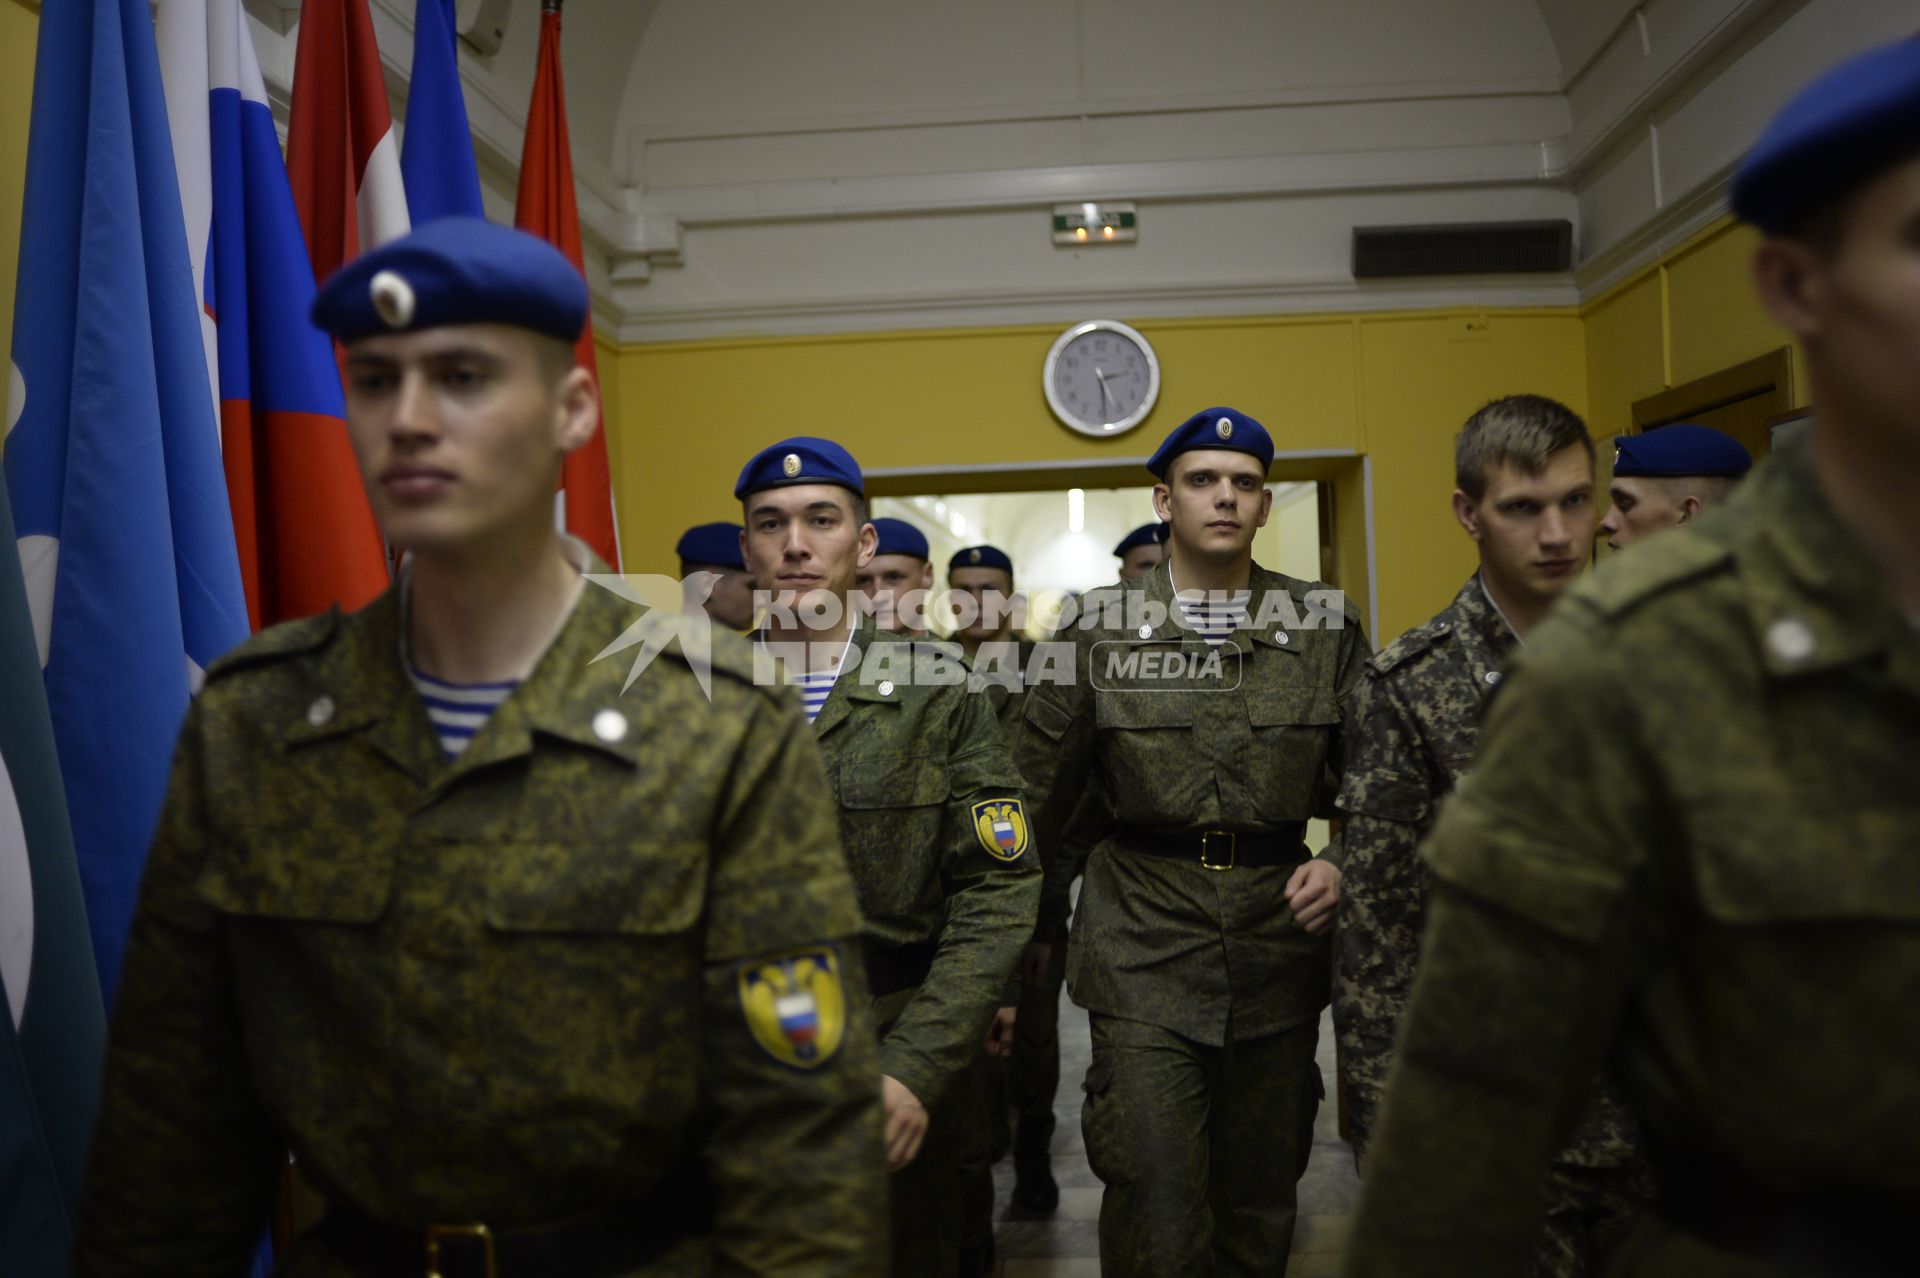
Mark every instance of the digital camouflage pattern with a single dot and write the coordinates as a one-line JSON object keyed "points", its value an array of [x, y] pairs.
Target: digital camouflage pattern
{"points": [[909, 753], [1001, 678], [504, 988], [916, 758], [1688, 847], [1198, 982], [1208, 955], [1412, 733]]}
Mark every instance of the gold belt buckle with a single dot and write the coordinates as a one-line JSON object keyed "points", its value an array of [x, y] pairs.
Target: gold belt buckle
{"points": [[1206, 849], [476, 1230]]}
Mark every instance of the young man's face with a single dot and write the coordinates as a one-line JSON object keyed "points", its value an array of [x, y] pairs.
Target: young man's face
{"points": [[460, 432], [1214, 500], [804, 542], [886, 578], [1535, 532], [725, 594], [1856, 306], [1141, 560], [991, 593], [1639, 506]]}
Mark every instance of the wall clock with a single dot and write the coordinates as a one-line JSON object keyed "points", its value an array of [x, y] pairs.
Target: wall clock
{"points": [[1101, 378]]}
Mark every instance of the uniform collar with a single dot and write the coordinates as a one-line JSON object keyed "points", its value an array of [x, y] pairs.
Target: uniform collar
{"points": [[364, 677], [845, 691]]}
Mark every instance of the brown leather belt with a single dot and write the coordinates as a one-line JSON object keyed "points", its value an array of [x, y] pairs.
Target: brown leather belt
{"points": [[1221, 849], [606, 1243]]}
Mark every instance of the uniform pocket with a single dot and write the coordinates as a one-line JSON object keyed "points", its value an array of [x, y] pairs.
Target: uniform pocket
{"points": [[1752, 876], [1292, 707], [296, 874], [634, 888]]}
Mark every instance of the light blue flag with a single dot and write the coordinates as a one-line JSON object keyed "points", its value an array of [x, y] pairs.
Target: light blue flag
{"points": [[436, 149], [113, 465]]}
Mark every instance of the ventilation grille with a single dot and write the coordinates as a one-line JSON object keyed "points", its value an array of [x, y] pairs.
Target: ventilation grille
{"points": [[1473, 248]]}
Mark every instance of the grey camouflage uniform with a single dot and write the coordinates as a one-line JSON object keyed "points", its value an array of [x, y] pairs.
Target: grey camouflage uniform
{"points": [[1412, 733], [1725, 906]]}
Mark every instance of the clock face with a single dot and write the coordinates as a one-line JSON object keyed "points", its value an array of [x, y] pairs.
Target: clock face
{"points": [[1101, 378]]}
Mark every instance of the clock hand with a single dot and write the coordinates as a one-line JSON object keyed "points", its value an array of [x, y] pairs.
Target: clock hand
{"points": [[1105, 394]]}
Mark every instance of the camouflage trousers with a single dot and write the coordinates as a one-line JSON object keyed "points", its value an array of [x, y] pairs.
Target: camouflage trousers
{"points": [[1199, 1148], [1589, 1211], [1033, 1073], [923, 1198]]}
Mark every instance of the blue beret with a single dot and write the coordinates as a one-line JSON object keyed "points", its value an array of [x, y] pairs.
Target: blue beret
{"points": [[898, 537], [455, 270], [981, 557], [1214, 428], [1844, 129], [800, 460], [1152, 534], [1680, 450], [714, 544]]}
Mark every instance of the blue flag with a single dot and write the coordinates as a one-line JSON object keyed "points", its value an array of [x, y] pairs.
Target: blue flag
{"points": [[436, 149], [113, 464], [52, 1028]]}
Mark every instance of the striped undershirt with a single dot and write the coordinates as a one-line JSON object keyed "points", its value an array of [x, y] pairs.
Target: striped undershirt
{"points": [[814, 688], [457, 710], [1214, 617]]}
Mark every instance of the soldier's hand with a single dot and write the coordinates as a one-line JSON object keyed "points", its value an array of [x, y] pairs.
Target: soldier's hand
{"points": [[906, 1122], [1313, 893], [1034, 963], [1000, 1033]]}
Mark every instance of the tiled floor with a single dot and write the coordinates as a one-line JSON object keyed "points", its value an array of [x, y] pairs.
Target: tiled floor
{"points": [[1067, 1244]]}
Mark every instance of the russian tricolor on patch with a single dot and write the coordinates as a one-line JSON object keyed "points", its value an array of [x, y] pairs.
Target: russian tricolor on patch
{"points": [[795, 1006], [1001, 825]]}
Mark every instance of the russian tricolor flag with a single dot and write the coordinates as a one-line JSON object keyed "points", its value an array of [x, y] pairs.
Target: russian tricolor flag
{"points": [[305, 534]]}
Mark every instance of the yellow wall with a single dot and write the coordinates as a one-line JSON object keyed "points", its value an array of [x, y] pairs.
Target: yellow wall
{"points": [[1692, 313], [19, 32], [682, 417], [1393, 386]]}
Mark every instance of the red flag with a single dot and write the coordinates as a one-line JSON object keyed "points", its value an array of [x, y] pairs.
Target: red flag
{"points": [[306, 535], [546, 208]]}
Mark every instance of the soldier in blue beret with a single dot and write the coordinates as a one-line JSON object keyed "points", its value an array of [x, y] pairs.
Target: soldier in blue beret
{"points": [[539, 963], [896, 580], [1686, 848], [981, 579], [932, 818], [714, 576], [1666, 477], [1141, 550], [1207, 717]]}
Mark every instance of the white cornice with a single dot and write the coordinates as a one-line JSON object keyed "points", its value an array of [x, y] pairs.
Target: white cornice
{"points": [[1655, 238], [1005, 307]]}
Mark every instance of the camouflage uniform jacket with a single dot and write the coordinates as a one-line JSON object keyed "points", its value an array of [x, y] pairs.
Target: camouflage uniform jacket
{"points": [[512, 987], [1412, 734], [921, 771], [1210, 955], [1688, 846]]}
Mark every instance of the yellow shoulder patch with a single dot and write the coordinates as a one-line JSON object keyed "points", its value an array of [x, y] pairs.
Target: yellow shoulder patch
{"points": [[1001, 826], [795, 1005]]}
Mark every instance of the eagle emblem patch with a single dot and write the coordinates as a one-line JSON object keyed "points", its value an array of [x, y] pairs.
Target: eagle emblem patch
{"points": [[1001, 825], [796, 1006]]}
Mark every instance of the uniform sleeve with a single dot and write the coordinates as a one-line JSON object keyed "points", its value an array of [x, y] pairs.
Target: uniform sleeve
{"points": [[185, 1162], [1054, 745], [1065, 860], [1349, 672], [1386, 798], [1540, 927], [993, 895], [788, 1056]]}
